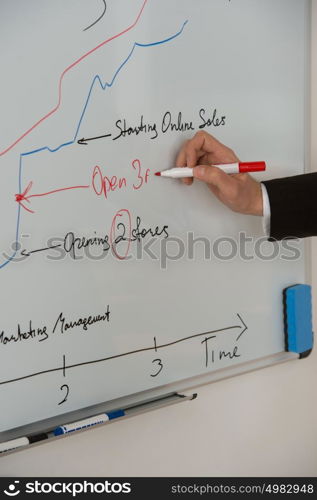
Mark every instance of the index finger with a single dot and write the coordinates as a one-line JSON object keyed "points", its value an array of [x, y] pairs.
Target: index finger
{"points": [[193, 149]]}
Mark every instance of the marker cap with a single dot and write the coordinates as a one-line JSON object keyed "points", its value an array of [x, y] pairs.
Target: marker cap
{"points": [[252, 166]]}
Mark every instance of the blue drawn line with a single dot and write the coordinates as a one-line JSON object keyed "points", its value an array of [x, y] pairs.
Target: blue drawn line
{"points": [[103, 86]]}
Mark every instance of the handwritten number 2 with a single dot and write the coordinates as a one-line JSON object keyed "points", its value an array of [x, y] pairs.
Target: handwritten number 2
{"points": [[65, 386], [159, 362]]}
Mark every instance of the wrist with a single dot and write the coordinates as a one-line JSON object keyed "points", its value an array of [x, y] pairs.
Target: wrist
{"points": [[256, 202]]}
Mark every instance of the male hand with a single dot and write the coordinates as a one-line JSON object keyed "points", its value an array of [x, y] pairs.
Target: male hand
{"points": [[240, 192]]}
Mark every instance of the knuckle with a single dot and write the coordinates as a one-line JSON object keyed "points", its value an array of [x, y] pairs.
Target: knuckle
{"points": [[212, 175], [200, 133]]}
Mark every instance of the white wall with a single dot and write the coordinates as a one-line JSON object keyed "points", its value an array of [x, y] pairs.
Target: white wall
{"points": [[260, 424]]}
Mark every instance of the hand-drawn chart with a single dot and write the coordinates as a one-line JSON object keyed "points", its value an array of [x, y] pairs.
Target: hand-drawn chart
{"points": [[115, 281]]}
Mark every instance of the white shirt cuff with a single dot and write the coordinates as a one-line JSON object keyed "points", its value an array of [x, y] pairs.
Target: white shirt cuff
{"points": [[266, 220]]}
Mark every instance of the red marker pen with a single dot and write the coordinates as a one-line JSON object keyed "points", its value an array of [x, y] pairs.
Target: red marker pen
{"points": [[228, 168]]}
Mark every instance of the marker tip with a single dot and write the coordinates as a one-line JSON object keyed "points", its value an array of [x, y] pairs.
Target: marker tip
{"points": [[157, 173]]}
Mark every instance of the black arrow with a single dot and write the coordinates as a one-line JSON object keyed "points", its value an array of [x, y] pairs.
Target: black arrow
{"points": [[245, 327], [84, 141], [115, 356], [26, 253]]}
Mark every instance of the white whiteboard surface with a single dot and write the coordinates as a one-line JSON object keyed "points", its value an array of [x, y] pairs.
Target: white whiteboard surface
{"points": [[245, 59]]}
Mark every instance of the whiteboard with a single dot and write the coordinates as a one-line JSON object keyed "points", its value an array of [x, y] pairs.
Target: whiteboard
{"points": [[116, 282]]}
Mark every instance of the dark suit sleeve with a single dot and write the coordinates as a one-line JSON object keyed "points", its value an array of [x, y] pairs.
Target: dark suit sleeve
{"points": [[293, 202]]}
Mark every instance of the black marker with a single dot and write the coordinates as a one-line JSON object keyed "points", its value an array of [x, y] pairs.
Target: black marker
{"points": [[21, 442]]}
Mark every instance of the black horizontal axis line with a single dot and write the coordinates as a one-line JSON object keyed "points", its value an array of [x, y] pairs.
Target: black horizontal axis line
{"points": [[85, 363], [152, 348], [29, 376], [198, 335]]}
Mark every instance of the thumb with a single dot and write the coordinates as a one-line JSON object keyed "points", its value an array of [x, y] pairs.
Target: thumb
{"points": [[212, 175]]}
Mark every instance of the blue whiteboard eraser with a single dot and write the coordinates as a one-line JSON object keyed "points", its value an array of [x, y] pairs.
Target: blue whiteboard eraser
{"points": [[298, 319]]}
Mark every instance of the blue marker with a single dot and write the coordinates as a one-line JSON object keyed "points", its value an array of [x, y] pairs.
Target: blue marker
{"points": [[88, 422]]}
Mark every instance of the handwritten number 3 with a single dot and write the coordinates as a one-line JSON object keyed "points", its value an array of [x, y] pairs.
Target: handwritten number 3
{"points": [[159, 362], [65, 386], [137, 166]]}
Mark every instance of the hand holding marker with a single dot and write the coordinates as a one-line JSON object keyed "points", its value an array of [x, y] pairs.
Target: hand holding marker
{"points": [[241, 193], [209, 160], [228, 168]]}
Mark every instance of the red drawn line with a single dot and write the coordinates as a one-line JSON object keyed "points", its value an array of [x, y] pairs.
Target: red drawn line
{"points": [[62, 77], [25, 197], [57, 191]]}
